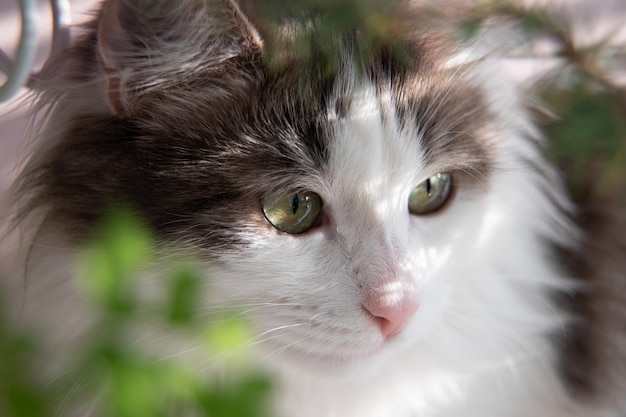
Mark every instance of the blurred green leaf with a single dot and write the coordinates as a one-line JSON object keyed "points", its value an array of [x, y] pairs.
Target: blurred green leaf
{"points": [[470, 28], [130, 382], [108, 264], [135, 388], [20, 393], [587, 135], [322, 28], [535, 22], [229, 337], [184, 294], [246, 397]]}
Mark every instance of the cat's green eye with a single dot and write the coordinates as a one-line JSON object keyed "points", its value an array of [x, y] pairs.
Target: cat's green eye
{"points": [[295, 212], [431, 194]]}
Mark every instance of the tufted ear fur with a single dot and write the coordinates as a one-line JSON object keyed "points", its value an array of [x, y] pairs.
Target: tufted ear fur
{"points": [[150, 48]]}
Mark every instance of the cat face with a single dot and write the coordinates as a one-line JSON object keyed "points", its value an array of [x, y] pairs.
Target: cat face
{"points": [[368, 276], [353, 213]]}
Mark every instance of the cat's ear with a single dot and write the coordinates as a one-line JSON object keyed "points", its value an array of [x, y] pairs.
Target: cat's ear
{"points": [[149, 48]]}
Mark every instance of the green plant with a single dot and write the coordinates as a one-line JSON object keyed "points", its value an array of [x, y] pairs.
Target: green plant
{"points": [[111, 374]]}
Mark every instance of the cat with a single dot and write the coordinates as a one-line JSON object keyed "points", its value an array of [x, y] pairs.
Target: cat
{"points": [[390, 211]]}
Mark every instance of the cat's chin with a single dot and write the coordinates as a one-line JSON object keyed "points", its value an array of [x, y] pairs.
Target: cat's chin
{"points": [[334, 366], [340, 364]]}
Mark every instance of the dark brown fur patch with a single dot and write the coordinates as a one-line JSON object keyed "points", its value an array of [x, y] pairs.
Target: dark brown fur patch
{"points": [[594, 347], [448, 111], [202, 180]]}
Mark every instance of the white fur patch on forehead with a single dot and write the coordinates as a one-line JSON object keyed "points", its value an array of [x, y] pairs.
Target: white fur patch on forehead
{"points": [[373, 162]]}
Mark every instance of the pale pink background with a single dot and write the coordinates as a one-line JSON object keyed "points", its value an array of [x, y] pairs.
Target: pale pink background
{"points": [[13, 120]]}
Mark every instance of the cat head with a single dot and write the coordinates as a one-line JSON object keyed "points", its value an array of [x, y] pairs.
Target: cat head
{"points": [[356, 207]]}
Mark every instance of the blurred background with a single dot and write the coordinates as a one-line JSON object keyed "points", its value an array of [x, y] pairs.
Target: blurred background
{"points": [[13, 121]]}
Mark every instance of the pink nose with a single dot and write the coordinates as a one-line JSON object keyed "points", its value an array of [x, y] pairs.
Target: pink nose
{"points": [[391, 313]]}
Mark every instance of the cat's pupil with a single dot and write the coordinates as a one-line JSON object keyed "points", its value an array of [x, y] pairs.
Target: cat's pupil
{"points": [[294, 203], [427, 185]]}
